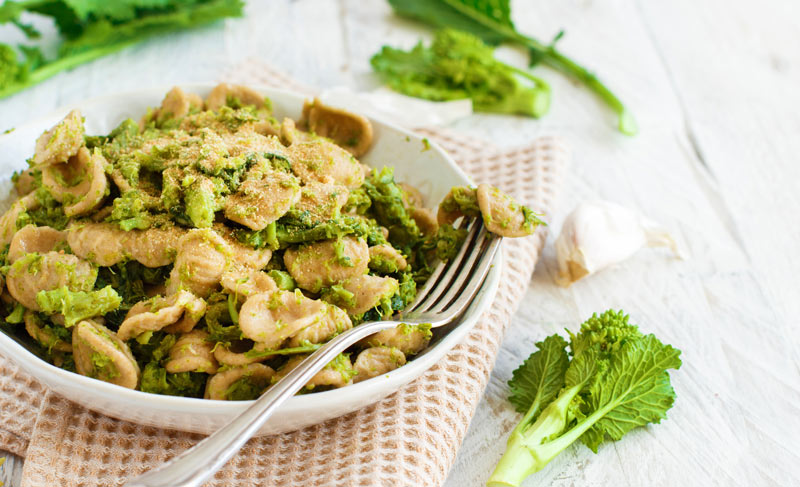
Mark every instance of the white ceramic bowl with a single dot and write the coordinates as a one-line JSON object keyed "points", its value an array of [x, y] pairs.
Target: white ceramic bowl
{"points": [[429, 169]]}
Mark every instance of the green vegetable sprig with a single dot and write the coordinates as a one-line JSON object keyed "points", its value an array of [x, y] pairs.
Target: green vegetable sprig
{"points": [[616, 380], [91, 29], [491, 21], [459, 65]]}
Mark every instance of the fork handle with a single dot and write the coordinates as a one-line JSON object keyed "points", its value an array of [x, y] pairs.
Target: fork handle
{"points": [[192, 467]]}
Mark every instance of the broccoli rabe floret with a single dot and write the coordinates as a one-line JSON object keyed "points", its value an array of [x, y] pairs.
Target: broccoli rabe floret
{"points": [[459, 65], [461, 199], [129, 212], [156, 380], [390, 211], [78, 305], [201, 202]]}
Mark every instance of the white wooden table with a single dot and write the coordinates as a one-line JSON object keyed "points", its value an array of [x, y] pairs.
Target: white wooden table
{"points": [[715, 86]]}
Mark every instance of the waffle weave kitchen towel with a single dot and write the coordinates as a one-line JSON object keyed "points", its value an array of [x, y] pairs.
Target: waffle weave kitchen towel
{"points": [[407, 439]]}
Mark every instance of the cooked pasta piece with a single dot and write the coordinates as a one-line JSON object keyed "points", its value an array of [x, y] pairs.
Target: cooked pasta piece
{"points": [[60, 142], [409, 339], [235, 354], [45, 272], [8, 222], [367, 293], [25, 181], [412, 197], [458, 202], [80, 183], [154, 247], [338, 373], [244, 283], [322, 264], [323, 161], [177, 104], [258, 375], [425, 220], [322, 201], [349, 130], [47, 338], [100, 354], [192, 352], [179, 312], [265, 195], [103, 244], [270, 318], [32, 239], [375, 361], [502, 215], [386, 259], [334, 321], [226, 94], [202, 258]]}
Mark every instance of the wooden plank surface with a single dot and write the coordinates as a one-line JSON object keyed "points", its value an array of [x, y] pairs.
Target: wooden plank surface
{"points": [[714, 87]]}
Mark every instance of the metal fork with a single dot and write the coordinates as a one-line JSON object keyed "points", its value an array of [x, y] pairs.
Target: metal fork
{"points": [[444, 298]]}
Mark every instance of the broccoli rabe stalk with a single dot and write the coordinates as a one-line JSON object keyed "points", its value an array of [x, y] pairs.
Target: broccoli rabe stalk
{"points": [[78, 305], [459, 65], [616, 380]]}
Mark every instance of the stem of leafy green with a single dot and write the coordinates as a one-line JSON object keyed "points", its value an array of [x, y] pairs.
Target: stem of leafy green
{"points": [[62, 64]]}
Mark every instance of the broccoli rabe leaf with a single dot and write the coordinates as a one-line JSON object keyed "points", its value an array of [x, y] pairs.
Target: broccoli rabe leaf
{"points": [[156, 380], [539, 379], [78, 305], [634, 391], [616, 380]]}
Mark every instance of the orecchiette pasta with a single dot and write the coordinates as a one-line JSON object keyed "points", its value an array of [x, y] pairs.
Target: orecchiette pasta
{"points": [[80, 183], [201, 260], [192, 353], [333, 322], [270, 318], [322, 264], [32, 239], [219, 385], [265, 195], [8, 222], [196, 251], [178, 313], [45, 272], [374, 361], [348, 130], [60, 142], [406, 338], [367, 292], [99, 353]]}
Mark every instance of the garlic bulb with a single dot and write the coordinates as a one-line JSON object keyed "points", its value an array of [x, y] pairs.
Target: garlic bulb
{"points": [[599, 234]]}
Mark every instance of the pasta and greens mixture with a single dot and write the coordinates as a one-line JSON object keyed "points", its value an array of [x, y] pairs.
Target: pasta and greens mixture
{"points": [[206, 249]]}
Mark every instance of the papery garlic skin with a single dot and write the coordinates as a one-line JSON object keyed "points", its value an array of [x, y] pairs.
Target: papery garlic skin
{"points": [[599, 234]]}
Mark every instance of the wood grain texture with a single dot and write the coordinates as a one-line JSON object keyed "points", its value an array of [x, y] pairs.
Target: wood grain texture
{"points": [[714, 87]]}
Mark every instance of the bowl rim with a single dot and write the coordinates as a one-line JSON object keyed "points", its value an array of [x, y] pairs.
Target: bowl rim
{"points": [[17, 353]]}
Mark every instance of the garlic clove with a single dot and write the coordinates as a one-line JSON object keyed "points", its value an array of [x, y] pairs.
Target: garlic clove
{"points": [[600, 234]]}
